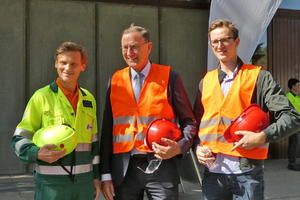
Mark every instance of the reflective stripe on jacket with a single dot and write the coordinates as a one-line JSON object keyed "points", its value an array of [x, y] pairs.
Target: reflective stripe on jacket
{"points": [[219, 112], [131, 119], [55, 110], [49, 106]]}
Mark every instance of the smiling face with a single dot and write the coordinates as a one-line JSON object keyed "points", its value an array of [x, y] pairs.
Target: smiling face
{"points": [[226, 51], [69, 66], [135, 50]]}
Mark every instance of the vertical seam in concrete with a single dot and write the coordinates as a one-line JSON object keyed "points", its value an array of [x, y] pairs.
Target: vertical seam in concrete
{"points": [[97, 65], [159, 32], [26, 59], [96, 50]]}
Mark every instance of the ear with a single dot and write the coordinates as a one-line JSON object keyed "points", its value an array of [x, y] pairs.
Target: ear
{"points": [[83, 67], [149, 47], [237, 42], [56, 64]]}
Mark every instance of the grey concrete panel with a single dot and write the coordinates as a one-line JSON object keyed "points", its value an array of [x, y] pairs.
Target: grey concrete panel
{"points": [[184, 44], [12, 101], [50, 24], [112, 20]]}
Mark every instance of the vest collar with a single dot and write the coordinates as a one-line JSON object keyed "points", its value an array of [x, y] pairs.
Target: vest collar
{"points": [[54, 88]]}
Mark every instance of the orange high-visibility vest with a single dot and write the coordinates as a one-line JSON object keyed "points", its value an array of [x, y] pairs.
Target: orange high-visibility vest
{"points": [[127, 114], [219, 112]]}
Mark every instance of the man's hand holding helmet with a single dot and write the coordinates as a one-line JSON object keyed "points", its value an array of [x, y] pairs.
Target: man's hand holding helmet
{"points": [[250, 140], [166, 152], [246, 130], [162, 136], [54, 142], [46, 154]]}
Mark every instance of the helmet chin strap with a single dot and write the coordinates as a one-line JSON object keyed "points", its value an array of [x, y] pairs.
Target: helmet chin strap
{"points": [[72, 176]]}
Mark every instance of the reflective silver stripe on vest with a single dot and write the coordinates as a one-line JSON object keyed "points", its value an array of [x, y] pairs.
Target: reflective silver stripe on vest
{"points": [[124, 120], [225, 121], [148, 120], [96, 160], [24, 133], [21, 143], [58, 170], [221, 138], [140, 136], [130, 120], [83, 147], [211, 122], [95, 137], [212, 138], [208, 123], [123, 138]]}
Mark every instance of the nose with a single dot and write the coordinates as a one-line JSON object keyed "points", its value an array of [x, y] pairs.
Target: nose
{"points": [[67, 66], [220, 43], [129, 51]]}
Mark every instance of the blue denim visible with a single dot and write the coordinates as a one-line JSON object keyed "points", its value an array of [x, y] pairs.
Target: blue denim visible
{"points": [[246, 186], [293, 148]]}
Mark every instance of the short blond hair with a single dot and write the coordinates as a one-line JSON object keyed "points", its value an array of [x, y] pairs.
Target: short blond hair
{"points": [[220, 23], [71, 46]]}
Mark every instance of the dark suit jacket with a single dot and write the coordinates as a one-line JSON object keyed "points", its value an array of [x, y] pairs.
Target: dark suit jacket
{"points": [[167, 173]]}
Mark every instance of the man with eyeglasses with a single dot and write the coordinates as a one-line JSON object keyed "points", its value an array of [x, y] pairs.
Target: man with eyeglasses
{"points": [[137, 95], [223, 94], [294, 86]]}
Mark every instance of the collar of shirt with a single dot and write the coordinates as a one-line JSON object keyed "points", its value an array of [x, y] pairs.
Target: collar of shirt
{"points": [[222, 74], [225, 76], [230, 78], [293, 94], [73, 99], [145, 72]]}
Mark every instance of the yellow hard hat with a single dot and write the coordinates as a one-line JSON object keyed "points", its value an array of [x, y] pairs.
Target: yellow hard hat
{"points": [[63, 136]]}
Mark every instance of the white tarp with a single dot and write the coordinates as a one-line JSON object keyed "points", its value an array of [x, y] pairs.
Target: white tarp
{"points": [[251, 17]]}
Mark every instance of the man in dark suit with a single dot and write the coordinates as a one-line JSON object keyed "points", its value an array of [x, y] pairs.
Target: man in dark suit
{"points": [[126, 119]]}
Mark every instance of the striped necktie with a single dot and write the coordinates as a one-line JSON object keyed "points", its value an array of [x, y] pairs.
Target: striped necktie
{"points": [[138, 85]]}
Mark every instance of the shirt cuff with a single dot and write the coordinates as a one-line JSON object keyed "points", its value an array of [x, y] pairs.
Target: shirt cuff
{"points": [[106, 177]]}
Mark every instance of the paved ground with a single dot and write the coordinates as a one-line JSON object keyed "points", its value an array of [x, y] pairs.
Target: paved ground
{"points": [[280, 183]]}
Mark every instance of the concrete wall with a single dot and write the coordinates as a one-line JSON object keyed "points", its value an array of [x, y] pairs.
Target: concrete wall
{"points": [[31, 30], [12, 76]]}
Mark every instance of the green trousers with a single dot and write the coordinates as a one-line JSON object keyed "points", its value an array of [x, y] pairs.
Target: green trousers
{"points": [[73, 191]]}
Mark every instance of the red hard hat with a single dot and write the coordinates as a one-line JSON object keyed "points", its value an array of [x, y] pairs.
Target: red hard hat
{"points": [[161, 128], [251, 119]]}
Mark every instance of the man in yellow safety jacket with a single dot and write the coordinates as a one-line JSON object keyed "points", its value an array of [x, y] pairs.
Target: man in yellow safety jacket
{"points": [[235, 169], [59, 176]]}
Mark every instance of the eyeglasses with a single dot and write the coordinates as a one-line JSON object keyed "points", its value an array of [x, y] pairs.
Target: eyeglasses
{"points": [[152, 167], [134, 48], [224, 41]]}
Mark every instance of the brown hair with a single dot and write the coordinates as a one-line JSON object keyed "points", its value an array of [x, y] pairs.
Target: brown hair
{"points": [[220, 23], [70, 46], [143, 31]]}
